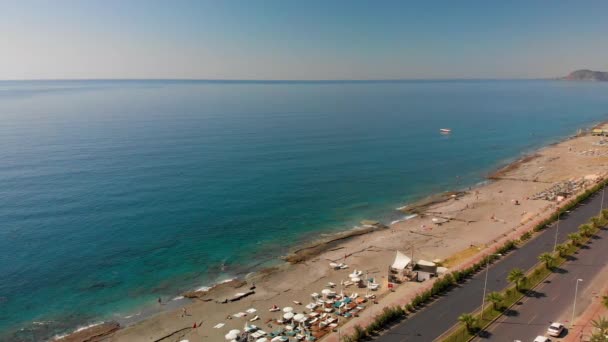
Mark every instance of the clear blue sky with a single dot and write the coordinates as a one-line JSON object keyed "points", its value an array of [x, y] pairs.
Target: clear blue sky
{"points": [[300, 39]]}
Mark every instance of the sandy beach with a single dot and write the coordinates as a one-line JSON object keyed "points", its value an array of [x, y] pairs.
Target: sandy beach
{"points": [[516, 197]]}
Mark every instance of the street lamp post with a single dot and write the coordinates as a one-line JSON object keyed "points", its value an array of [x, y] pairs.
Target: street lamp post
{"points": [[556, 232], [485, 283], [574, 304], [602, 202]]}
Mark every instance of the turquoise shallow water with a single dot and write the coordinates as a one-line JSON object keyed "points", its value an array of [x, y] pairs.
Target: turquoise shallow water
{"points": [[114, 193]]}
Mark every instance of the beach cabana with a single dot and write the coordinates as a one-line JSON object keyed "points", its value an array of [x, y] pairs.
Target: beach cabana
{"points": [[401, 261]]}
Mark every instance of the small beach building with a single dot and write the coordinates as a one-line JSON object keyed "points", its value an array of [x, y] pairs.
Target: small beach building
{"points": [[425, 270]]}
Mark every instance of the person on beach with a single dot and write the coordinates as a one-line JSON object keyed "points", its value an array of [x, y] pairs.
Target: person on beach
{"points": [[184, 312], [159, 301]]}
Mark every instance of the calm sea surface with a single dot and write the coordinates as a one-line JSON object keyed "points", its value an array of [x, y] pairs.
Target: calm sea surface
{"points": [[113, 193]]}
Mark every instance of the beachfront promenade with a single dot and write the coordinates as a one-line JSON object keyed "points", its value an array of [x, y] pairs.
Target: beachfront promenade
{"points": [[433, 321], [552, 301]]}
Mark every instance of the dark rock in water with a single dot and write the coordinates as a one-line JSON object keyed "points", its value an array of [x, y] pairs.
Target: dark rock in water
{"points": [[92, 334], [587, 75]]}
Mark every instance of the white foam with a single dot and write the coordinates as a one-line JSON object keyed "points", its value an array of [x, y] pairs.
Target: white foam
{"points": [[57, 337], [178, 298], [402, 208], [409, 217]]}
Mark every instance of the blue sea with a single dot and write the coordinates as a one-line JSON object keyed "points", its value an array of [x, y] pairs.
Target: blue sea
{"points": [[115, 193]]}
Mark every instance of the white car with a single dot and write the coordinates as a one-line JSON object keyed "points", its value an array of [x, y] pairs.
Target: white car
{"points": [[555, 329], [542, 339]]}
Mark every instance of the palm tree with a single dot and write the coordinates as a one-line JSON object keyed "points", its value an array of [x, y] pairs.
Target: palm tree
{"points": [[601, 324], [562, 250], [605, 214], [585, 230], [516, 276], [468, 320], [576, 238], [605, 301], [496, 298], [547, 258]]}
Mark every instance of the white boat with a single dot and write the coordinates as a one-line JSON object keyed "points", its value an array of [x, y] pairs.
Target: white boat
{"points": [[445, 130]]}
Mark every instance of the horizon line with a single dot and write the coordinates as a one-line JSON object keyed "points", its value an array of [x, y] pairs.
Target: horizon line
{"points": [[229, 80]]}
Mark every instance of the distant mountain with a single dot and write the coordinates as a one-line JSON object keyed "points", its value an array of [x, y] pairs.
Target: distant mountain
{"points": [[586, 75]]}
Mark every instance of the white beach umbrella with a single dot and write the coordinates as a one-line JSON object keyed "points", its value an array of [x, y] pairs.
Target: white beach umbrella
{"points": [[356, 279], [263, 339], [231, 336], [287, 309], [288, 315], [325, 292], [299, 318]]}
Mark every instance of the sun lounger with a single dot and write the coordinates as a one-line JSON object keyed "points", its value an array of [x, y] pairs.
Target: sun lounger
{"points": [[348, 283], [239, 315], [255, 318], [354, 296], [219, 325], [297, 303], [313, 321], [330, 284], [333, 325], [311, 306], [252, 310], [343, 267]]}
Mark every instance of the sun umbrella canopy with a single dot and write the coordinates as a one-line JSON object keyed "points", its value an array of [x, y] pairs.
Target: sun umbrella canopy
{"points": [[326, 292], [231, 336], [263, 339], [288, 315], [287, 309], [299, 317], [356, 279]]}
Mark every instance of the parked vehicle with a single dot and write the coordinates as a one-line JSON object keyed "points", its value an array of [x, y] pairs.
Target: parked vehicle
{"points": [[542, 339], [555, 329]]}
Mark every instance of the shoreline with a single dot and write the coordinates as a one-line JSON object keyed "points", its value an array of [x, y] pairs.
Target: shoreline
{"points": [[313, 249]]}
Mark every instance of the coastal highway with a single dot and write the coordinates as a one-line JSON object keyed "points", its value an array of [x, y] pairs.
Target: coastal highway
{"points": [[434, 320], [552, 300]]}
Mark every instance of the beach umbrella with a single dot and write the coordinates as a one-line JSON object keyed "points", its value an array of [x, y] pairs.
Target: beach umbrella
{"points": [[325, 292], [299, 318], [287, 309], [231, 335], [288, 315], [356, 279], [263, 339]]}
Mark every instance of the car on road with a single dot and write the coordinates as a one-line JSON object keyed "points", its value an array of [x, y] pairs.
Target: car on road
{"points": [[555, 329], [542, 339]]}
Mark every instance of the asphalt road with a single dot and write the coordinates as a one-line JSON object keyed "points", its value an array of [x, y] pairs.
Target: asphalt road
{"points": [[431, 322], [553, 300]]}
